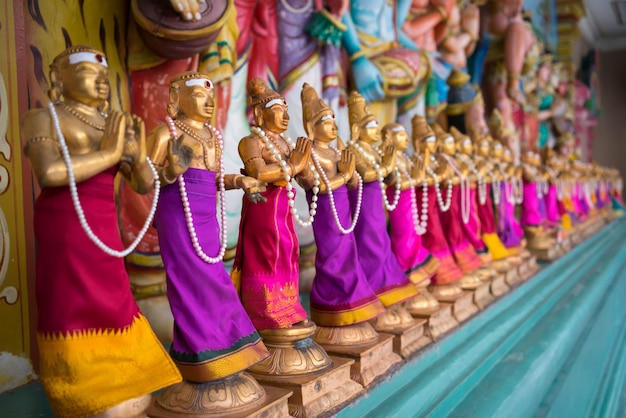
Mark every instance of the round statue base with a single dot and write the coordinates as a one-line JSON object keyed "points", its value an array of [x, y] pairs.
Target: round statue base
{"points": [[292, 352], [132, 408], [234, 396]]}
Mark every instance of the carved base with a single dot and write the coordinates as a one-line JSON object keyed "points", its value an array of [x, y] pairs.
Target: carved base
{"points": [[546, 254], [439, 322], [531, 268], [512, 276], [498, 285], [483, 296], [407, 342], [470, 281], [422, 304], [446, 292], [235, 396], [372, 361], [395, 320], [349, 335], [318, 394], [293, 352], [463, 308]]}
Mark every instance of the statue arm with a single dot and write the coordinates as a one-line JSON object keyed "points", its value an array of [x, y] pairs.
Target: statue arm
{"points": [[515, 49], [43, 150], [420, 25], [255, 166]]}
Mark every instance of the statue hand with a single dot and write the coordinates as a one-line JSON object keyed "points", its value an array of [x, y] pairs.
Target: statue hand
{"points": [[188, 10], [135, 146], [113, 138], [178, 156], [300, 155], [253, 189], [368, 79], [447, 5], [389, 156], [347, 163]]}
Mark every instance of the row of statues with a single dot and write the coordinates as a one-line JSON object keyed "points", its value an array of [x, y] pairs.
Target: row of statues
{"points": [[407, 223]]}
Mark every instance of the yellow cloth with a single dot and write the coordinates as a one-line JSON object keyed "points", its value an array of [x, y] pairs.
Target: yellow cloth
{"points": [[86, 373], [496, 248]]}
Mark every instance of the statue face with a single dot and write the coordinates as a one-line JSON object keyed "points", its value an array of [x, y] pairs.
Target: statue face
{"points": [[275, 118], [507, 157], [400, 140], [85, 82], [497, 151], [448, 146], [429, 144], [370, 133], [465, 146], [544, 72], [196, 102], [325, 130], [484, 148]]}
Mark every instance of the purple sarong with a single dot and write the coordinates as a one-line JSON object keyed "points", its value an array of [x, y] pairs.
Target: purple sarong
{"points": [[509, 231], [213, 336], [341, 294], [552, 205], [380, 265]]}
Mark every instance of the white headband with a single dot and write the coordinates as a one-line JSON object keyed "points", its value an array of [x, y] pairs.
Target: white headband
{"points": [[398, 129], [467, 141], [448, 140], [92, 57], [202, 82], [275, 102], [371, 124], [497, 146], [430, 139], [327, 117]]}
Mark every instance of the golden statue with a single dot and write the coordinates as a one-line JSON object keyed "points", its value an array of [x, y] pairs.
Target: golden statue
{"points": [[98, 354]]}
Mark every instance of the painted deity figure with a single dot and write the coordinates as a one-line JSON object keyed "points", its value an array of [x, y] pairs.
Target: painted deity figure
{"points": [[98, 354], [385, 275], [456, 38], [512, 53], [266, 262], [213, 336], [341, 293]]}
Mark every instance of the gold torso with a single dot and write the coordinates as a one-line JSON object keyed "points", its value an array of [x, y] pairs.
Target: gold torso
{"points": [[82, 132], [362, 163], [405, 166], [202, 141], [327, 158]]}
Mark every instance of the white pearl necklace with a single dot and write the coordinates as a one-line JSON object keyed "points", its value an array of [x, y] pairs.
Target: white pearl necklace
{"points": [[390, 207], [76, 201], [480, 180], [464, 187], [186, 208], [496, 188], [557, 182], [331, 197], [420, 224], [290, 194], [443, 206]]}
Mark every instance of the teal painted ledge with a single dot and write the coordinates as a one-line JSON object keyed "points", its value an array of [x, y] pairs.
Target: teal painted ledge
{"points": [[554, 347]]}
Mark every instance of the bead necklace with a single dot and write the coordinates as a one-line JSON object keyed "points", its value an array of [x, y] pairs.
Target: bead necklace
{"points": [[464, 186], [76, 201], [331, 197], [420, 224], [557, 182], [81, 118], [381, 180], [443, 206], [186, 207], [482, 186], [205, 143], [290, 194]]}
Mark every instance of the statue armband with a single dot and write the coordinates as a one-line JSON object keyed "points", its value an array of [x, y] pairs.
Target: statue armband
{"points": [[36, 140]]}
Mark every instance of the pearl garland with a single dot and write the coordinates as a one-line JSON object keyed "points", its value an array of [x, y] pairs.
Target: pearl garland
{"points": [[390, 207], [465, 189], [420, 224], [443, 206], [482, 186], [76, 201], [185, 200], [290, 194], [496, 187], [331, 197]]}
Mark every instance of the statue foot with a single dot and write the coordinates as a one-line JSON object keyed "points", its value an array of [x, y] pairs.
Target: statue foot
{"points": [[470, 281], [132, 408]]}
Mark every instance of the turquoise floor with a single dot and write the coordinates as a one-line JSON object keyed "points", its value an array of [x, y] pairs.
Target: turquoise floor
{"points": [[554, 347]]}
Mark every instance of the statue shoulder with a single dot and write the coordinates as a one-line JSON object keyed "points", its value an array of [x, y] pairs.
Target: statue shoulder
{"points": [[37, 122]]}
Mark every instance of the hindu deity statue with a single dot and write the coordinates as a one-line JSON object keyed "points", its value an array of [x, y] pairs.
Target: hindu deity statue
{"points": [[406, 241], [429, 98], [545, 99], [341, 294], [512, 53], [98, 354], [459, 213], [444, 284], [266, 264], [385, 63], [384, 273], [214, 339], [534, 217], [551, 167]]}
